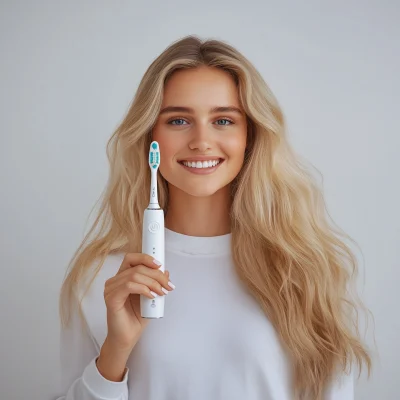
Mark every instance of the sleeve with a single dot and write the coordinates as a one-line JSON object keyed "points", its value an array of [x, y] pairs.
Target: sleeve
{"points": [[342, 388], [79, 377]]}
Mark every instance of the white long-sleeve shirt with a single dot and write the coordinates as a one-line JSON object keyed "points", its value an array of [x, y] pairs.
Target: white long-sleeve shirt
{"points": [[213, 343]]}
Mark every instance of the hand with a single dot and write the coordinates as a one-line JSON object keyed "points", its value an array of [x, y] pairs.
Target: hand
{"points": [[137, 275]]}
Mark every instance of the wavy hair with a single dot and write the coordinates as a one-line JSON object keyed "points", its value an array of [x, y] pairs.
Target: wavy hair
{"points": [[286, 249]]}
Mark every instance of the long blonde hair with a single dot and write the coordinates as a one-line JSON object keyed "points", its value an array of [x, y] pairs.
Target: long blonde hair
{"points": [[287, 253]]}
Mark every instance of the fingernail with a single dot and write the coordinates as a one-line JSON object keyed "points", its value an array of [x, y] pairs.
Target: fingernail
{"points": [[165, 290], [171, 285], [154, 294], [157, 262]]}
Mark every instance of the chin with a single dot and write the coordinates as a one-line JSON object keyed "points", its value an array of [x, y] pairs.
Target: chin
{"points": [[200, 191], [204, 190]]}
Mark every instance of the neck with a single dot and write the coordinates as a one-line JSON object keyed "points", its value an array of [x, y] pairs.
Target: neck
{"points": [[199, 216]]}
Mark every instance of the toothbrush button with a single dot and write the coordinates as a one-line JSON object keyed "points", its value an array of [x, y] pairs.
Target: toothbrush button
{"points": [[154, 227]]}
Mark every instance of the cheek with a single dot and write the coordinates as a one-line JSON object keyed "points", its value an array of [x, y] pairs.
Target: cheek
{"points": [[166, 145], [167, 153], [235, 147]]}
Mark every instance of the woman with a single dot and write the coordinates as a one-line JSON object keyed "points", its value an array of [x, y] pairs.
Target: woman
{"points": [[260, 309]]}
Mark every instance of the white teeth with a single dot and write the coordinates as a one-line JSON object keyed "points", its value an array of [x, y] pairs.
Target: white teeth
{"points": [[201, 164]]}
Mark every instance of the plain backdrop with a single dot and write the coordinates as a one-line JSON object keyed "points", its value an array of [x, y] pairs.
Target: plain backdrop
{"points": [[68, 72]]}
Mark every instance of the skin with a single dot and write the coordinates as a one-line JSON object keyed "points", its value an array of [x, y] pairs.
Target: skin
{"points": [[199, 204]]}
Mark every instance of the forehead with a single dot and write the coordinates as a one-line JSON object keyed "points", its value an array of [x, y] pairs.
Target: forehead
{"points": [[198, 87]]}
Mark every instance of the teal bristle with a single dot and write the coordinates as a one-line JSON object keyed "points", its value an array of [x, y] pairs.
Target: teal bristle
{"points": [[154, 158], [154, 155]]}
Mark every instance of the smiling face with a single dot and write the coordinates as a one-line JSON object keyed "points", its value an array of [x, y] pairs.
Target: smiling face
{"points": [[191, 127]]}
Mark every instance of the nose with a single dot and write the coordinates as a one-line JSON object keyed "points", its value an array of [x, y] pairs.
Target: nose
{"points": [[201, 139]]}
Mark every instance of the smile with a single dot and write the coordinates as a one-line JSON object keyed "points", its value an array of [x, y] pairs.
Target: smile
{"points": [[201, 167], [201, 164]]}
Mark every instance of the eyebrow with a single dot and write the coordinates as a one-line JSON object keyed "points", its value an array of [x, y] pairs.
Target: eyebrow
{"points": [[189, 110]]}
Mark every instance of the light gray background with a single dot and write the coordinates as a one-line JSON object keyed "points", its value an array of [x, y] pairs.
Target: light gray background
{"points": [[68, 72]]}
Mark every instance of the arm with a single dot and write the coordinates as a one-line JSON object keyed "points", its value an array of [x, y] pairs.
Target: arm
{"points": [[80, 376]]}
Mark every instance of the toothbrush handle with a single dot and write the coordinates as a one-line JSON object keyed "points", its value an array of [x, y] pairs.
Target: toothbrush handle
{"points": [[153, 243]]}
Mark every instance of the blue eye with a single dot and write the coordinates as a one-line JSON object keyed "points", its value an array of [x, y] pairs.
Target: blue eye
{"points": [[224, 119], [181, 119]]}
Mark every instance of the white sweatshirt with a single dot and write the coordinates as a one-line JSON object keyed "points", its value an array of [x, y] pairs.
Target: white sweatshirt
{"points": [[213, 343]]}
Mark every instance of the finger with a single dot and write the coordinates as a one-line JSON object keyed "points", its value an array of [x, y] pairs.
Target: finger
{"points": [[132, 259], [160, 276], [129, 274], [117, 297], [155, 280], [137, 278]]}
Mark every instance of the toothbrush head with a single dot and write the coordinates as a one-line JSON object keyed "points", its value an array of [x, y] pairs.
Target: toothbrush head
{"points": [[154, 155]]}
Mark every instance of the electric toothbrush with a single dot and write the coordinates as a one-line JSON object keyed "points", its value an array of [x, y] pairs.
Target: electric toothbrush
{"points": [[153, 240]]}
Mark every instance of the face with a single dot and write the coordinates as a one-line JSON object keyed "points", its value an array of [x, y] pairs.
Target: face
{"points": [[199, 132]]}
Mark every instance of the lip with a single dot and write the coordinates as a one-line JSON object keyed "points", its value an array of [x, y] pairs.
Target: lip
{"points": [[201, 158], [202, 171]]}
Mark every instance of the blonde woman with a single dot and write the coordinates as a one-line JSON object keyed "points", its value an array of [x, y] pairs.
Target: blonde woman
{"points": [[256, 277]]}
